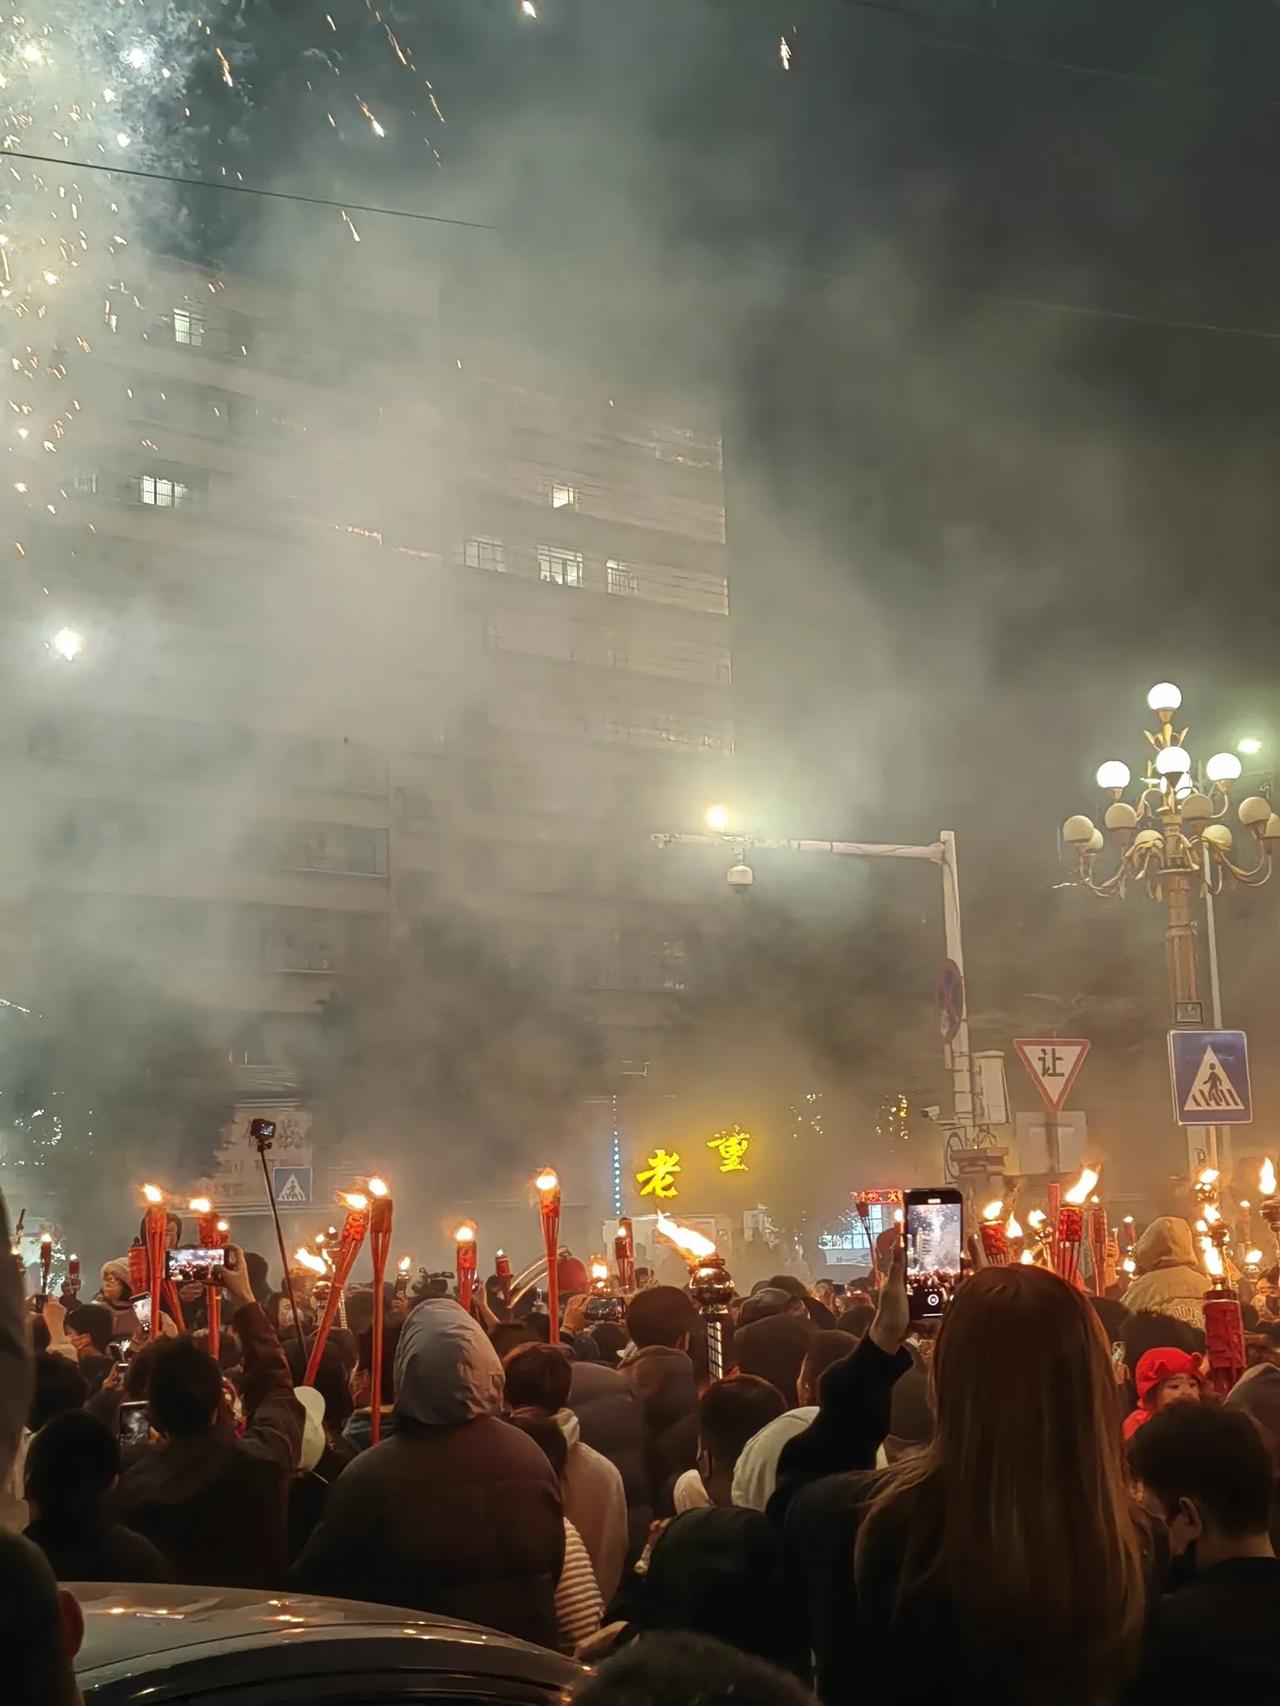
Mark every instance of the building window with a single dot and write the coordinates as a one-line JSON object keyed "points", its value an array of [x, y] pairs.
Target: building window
{"points": [[188, 328], [486, 554], [565, 496], [562, 567], [160, 492], [622, 579], [86, 484]]}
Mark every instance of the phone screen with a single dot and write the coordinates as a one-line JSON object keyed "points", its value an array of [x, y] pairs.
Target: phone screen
{"points": [[934, 1232], [191, 1265], [132, 1424]]}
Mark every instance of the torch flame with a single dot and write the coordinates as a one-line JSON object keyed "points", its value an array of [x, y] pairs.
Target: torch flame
{"points": [[355, 1200], [1129, 1265], [200, 1205], [685, 1239], [993, 1210], [224, 1226], [1213, 1261], [406, 1262], [1079, 1192], [153, 1193], [305, 1259], [1037, 1218], [466, 1233], [378, 1188], [1207, 1176], [1027, 1259], [1253, 1258], [548, 1180], [1267, 1177], [1128, 1220], [1212, 1213], [1012, 1227], [599, 1270]]}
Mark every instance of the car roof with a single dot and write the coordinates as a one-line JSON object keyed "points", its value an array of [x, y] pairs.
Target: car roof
{"points": [[141, 1627]]}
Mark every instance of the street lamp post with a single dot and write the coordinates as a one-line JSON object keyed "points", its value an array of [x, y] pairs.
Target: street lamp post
{"points": [[1174, 841]]}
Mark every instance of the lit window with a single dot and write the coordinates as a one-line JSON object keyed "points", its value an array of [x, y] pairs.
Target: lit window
{"points": [[85, 483], [486, 554], [188, 328], [562, 567], [622, 579], [564, 496], [162, 493]]}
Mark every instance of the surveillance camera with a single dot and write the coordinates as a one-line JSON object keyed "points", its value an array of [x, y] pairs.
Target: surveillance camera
{"points": [[740, 878], [931, 1113]]}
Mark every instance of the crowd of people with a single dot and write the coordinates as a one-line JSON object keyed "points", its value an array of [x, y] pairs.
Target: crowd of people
{"points": [[1039, 1499]]}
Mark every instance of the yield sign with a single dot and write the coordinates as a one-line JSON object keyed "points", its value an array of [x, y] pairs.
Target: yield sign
{"points": [[1053, 1063]]}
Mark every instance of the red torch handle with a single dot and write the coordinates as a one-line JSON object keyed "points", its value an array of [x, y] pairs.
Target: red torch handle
{"points": [[379, 1248], [348, 1249], [551, 1241], [995, 1243], [155, 1262], [1224, 1340]]}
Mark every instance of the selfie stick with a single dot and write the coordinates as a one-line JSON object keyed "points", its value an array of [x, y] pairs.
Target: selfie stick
{"points": [[263, 1134]]}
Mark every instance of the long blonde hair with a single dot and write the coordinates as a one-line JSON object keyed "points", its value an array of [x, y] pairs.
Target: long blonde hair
{"points": [[1023, 1521]]}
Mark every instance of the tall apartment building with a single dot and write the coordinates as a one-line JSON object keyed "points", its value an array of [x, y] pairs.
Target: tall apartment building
{"points": [[376, 620]]}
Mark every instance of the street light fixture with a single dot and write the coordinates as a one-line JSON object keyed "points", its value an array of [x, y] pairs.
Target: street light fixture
{"points": [[1250, 745], [716, 818], [68, 643], [1173, 839]]}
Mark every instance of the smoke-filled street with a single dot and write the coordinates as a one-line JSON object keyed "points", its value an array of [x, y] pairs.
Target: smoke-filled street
{"points": [[638, 742]]}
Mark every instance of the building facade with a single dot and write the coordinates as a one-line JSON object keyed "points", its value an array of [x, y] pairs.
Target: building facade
{"points": [[371, 621]]}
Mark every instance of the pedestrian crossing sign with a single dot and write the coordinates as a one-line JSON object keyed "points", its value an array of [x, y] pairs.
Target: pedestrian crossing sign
{"points": [[291, 1186], [1209, 1071]]}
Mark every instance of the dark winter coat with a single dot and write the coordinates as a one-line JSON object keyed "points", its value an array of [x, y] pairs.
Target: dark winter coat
{"points": [[663, 1381], [611, 1422], [457, 1513], [217, 1506]]}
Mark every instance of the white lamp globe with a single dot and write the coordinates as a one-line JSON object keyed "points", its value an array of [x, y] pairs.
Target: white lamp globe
{"points": [[1164, 696], [1173, 761], [1095, 843], [1120, 816], [1219, 835], [1113, 774], [1197, 808], [1077, 830], [1223, 767], [1271, 828], [1183, 788], [1254, 811]]}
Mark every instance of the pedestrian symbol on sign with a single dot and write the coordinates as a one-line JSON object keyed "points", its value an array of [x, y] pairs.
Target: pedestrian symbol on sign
{"points": [[1212, 1090]]}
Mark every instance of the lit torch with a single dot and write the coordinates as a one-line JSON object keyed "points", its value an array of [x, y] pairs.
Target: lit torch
{"points": [[402, 1276], [547, 1185], [995, 1242], [1098, 1244], [464, 1239], [710, 1285], [380, 1217], [353, 1230], [46, 1261], [1071, 1225], [502, 1270], [73, 1274], [624, 1255], [1270, 1204], [211, 1236], [155, 1231]]}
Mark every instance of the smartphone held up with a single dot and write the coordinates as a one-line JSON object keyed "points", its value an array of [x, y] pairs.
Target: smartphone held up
{"points": [[190, 1264], [933, 1236]]}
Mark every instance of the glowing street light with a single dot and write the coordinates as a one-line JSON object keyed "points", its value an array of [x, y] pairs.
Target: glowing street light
{"points": [[68, 643], [716, 818], [1249, 745]]}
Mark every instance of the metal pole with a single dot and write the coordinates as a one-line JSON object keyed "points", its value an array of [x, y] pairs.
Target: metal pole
{"points": [[1184, 973], [1219, 1141], [958, 1048]]}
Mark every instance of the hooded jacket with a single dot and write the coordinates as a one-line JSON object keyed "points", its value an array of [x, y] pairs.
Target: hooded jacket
{"points": [[457, 1512], [663, 1381], [596, 1505], [1154, 1368], [124, 1323], [1170, 1278]]}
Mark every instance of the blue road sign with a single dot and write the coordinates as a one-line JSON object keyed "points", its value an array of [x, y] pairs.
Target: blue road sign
{"points": [[291, 1186], [1209, 1071]]}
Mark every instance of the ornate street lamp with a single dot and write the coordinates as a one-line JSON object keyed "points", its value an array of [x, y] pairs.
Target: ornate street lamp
{"points": [[1174, 840]]}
